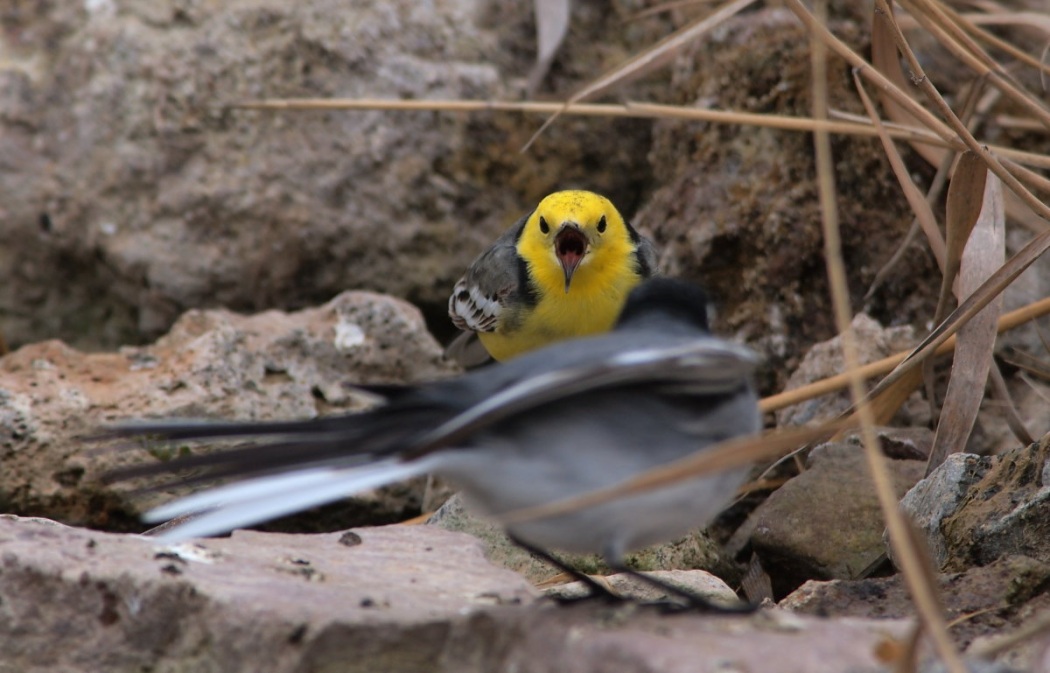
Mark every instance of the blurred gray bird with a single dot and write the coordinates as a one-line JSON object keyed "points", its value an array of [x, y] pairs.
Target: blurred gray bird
{"points": [[558, 422]]}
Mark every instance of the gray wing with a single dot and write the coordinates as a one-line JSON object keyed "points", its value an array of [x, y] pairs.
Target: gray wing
{"points": [[646, 257], [492, 283], [702, 366]]}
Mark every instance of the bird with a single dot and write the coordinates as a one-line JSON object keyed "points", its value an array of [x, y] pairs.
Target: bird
{"points": [[562, 271], [559, 422]]}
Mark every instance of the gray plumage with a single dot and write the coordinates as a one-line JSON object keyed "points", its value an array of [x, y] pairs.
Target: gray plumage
{"points": [[562, 421]]}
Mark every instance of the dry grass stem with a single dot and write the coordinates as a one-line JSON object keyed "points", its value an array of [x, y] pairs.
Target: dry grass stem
{"points": [[971, 24], [1009, 410], [920, 207], [1035, 626], [962, 46], [970, 307], [873, 75], [890, 363], [666, 7], [883, 11], [855, 126], [649, 60], [908, 557]]}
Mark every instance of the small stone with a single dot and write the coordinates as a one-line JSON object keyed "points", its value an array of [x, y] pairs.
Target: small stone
{"points": [[825, 359], [826, 522], [939, 496], [349, 539], [698, 582]]}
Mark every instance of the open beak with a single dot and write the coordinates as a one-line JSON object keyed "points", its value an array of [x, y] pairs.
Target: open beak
{"points": [[570, 245]]}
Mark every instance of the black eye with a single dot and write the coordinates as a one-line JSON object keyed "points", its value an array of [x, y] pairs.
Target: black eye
{"points": [[544, 227], [601, 225]]}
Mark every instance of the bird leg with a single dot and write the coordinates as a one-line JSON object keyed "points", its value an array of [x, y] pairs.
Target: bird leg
{"points": [[595, 588]]}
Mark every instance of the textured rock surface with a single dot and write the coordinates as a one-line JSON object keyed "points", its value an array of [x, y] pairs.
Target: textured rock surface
{"points": [[1002, 596], [826, 522], [131, 194], [395, 599], [696, 581], [940, 495], [825, 359], [974, 510], [212, 364], [255, 601]]}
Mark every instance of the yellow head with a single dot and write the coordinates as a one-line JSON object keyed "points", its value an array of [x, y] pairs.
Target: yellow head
{"points": [[579, 239]]}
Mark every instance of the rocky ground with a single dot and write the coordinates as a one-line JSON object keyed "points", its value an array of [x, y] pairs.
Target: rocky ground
{"points": [[133, 204]]}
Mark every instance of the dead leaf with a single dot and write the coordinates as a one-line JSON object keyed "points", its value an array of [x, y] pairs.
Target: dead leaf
{"points": [[552, 25], [982, 257]]}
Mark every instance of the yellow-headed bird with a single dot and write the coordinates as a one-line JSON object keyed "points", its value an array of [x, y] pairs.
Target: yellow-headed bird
{"points": [[562, 271]]}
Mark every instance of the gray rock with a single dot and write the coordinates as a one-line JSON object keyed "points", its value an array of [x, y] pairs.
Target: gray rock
{"points": [[698, 582], [139, 195], [939, 496], [826, 522], [212, 364], [397, 599], [983, 602], [254, 601], [455, 516], [825, 359], [973, 509]]}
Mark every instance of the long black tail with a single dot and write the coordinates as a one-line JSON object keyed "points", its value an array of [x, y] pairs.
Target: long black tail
{"points": [[273, 446]]}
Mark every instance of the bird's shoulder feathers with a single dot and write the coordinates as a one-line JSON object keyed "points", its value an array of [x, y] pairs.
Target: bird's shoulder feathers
{"points": [[495, 286]]}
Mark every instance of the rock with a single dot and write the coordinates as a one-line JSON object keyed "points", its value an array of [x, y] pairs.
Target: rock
{"points": [[212, 364], [393, 599], [898, 443], [140, 195], [698, 582], [737, 205], [825, 359], [255, 601], [989, 600], [974, 510], [694, 551], [454, 516], [826, 522], [938, 496]]}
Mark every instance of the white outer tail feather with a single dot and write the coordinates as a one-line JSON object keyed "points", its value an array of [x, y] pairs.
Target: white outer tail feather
{"points": [[253, 501]]}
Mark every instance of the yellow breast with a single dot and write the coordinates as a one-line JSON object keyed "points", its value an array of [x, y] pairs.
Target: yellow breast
{"points": [[591, 305]]}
